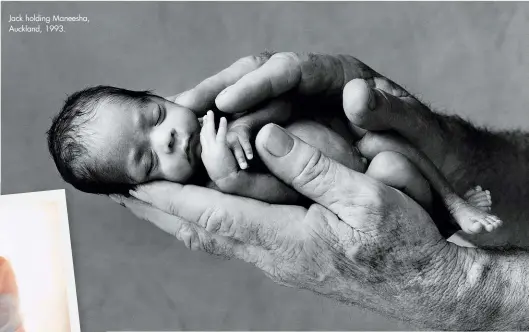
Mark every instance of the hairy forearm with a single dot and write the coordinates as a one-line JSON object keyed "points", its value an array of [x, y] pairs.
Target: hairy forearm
{"points": [[468, 156], [497, 286], [467, 289], [486, 290]]}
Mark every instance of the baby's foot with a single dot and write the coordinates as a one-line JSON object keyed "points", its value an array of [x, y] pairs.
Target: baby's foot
{"points": [[473, 219], [479, 198]]}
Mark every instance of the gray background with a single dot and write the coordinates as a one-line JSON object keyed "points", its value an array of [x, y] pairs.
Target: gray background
{"points": [[464, 58]]}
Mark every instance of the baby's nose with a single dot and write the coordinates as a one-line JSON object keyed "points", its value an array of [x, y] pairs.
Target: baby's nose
{"points": [[165, 140], [171, 141]]}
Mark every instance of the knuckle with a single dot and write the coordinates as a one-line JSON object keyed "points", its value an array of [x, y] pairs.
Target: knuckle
{"points": [[246, 144], [316, 175], [266, 54], [208, 245], [231, 139], [289, 56], [375, 197], [172, 208], [371, 145], [250, 60], [216, 219]]}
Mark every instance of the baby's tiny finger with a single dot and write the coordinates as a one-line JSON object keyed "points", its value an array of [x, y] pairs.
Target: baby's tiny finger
{"points": [[248, 150], [223, 129], [204, 134], [209, 126], [239, 155]]}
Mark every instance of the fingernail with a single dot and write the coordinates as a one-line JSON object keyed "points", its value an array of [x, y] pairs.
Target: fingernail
{"points": [[278, 142]]}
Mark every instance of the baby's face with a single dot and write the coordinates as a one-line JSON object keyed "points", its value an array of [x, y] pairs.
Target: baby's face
{"points": [[159, 140]]}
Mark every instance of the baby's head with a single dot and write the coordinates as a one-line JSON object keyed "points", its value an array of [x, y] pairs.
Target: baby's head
{"points": [[107, 140]]}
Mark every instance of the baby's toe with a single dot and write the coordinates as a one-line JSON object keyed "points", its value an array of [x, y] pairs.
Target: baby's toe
{"points": [[489, 227], [243, 164], [495, 221]]}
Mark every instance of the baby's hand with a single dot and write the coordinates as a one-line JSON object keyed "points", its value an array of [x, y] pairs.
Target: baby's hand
{"points": [[239, 142], [216, 155]]}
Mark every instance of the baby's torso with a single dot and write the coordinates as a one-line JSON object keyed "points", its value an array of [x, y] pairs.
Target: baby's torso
{"points": [[330, 136]]}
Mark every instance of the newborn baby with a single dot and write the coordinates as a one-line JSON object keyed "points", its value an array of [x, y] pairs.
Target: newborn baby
{"points": [[108, 140]]}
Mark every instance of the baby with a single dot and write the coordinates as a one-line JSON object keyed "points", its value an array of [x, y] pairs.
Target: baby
{"points": [[108, 140]]}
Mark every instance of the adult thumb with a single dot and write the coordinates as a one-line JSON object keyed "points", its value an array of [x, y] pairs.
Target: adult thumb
{"points": [[314, 175]]}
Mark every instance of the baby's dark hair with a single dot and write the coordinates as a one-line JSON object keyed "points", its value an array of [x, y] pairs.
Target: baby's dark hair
{"points": [[67, 142]]}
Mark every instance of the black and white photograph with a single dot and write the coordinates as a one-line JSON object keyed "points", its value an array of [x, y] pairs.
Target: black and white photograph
{"points": [[278, 165]]}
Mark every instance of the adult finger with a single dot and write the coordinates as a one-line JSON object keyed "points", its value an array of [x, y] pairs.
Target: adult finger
{"points": [[202, 97], [314, 175], [378, 105], [193, 236], [243, 219], [307, 73], [166, 222], [223, 130]]}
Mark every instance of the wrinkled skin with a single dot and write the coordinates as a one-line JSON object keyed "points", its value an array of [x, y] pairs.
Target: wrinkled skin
{"points": [[360, 234], [361, 242]]}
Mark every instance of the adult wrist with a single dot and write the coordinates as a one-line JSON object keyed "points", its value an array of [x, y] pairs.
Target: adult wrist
{"points": [[431, 293], [480, 289]]}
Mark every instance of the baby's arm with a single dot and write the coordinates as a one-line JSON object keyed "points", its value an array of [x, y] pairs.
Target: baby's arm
{"points": [[242, 130], [228, 178], [261, 186]]}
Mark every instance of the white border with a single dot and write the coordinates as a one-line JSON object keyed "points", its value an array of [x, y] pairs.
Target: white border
{"points": [[57, 197]]}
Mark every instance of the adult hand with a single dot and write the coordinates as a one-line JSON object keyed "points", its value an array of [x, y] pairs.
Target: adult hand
{"points": [[360, 242], [254, 79]]}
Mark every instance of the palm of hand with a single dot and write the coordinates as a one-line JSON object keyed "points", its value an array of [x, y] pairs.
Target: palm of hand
{"points": [[357, 247]]}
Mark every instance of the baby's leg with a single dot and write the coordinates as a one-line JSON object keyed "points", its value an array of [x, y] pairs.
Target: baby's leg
{"points": [[395, 170], [470, 218]]}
